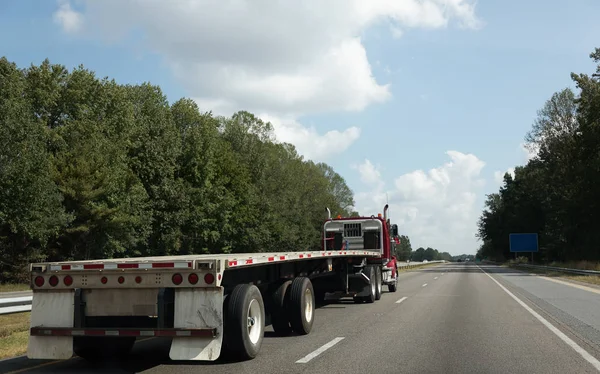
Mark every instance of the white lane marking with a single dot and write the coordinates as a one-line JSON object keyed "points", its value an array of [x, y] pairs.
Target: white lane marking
{"points": [[317, 352], [581, 287], [435, 278], [442, 273], [424, 285], [401, 300], [588, 357]]}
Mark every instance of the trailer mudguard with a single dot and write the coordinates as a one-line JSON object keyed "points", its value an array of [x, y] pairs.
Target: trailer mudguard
{"points": [[53, 309], [198, 308]]}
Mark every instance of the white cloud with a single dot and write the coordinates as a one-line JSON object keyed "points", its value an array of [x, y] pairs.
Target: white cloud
{"points": [[308, 141], [70, 20], [436, 208], [284, 58], [396, 32], [370, 175]]}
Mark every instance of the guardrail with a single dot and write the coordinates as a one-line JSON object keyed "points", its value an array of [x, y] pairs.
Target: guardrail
{"points": [[411, 265], [15, 305], [559, 269]]}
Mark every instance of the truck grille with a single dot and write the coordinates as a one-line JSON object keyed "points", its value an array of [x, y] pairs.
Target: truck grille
{"points": [[352, 230]]}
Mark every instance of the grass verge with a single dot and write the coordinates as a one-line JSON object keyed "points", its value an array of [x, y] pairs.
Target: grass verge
{"points": [[13, 334], [12, 287], [591, 279]]}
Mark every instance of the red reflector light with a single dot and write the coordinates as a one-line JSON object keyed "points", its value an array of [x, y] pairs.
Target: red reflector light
{"points": [[138, 279], [163, 265], [93, 266], [104, 280], [127, 266], [193, 278], [177, 279], [121, 279], [39, 281], [53, 281], [68, 280], [209, 278]]}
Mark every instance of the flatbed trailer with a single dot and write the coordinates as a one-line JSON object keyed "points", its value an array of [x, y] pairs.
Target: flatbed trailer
{"points": [[207, 304]]}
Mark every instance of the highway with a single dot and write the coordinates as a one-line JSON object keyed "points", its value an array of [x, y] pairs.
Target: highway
{"points": [[449, 318]]}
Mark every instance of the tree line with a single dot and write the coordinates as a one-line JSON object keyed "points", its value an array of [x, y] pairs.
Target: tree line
{"points": [[404, 252], [90, 169], [556, 194]]}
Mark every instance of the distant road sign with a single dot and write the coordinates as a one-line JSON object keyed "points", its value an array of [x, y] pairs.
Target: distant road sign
{"points": [[523, 242]]}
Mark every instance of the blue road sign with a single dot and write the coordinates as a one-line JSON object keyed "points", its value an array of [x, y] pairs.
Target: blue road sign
{"points": [[523, 242]]}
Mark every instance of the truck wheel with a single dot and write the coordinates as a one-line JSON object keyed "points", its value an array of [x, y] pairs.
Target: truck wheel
{"points": [[379, 279], [394, 285], [371, 273], [100, 348], [279, 315], [301, 305], [244, 321]]}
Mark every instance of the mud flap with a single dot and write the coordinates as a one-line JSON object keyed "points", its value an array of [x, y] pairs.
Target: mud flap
{"points": [[198, 308], [51, 309]]}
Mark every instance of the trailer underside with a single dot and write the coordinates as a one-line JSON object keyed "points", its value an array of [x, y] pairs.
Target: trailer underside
{"points": [[92, 312]]}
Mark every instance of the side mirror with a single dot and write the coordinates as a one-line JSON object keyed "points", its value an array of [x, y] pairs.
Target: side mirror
{"points": [[395, 230]]}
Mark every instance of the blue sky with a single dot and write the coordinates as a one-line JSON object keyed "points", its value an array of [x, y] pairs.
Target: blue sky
{"points": [[473, 90]]}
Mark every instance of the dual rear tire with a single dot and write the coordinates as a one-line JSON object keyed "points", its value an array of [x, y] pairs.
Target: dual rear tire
{"points": [[292, 307], [374, 286]]}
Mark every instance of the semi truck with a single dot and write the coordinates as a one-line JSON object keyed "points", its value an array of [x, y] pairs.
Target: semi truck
{"points": [[209, 305]]}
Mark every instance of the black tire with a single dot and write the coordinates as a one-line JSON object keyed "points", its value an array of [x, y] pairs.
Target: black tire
{"points": [[96, 349], [301, 305], [239, 341], [393, 286], [280, 320], [379, 286], [370, 272]]}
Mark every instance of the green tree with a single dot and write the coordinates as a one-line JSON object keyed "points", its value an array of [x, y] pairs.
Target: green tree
{"points": [[555, 194], [404, 250], [90, 169], [31, 212]]}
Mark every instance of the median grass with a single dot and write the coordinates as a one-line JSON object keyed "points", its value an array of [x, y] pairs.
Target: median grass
{"points": [[13, 334], [12, 287]]}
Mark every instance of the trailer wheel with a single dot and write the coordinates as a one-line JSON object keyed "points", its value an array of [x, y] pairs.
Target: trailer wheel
{"points": [[393, 286], [279, 316], [379, 279], [95, 349], [301, 305], [244, 321]]}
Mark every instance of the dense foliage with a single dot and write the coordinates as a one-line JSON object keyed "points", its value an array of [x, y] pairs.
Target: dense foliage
{"points": [[557, 193], [93, 169]]}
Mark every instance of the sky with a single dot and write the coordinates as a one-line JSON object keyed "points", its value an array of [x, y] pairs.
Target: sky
{"points": [[422, 104]]}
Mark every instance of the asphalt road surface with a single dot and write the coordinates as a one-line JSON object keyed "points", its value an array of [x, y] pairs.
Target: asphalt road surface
{"points": [[449, 318]]}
